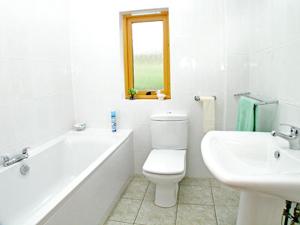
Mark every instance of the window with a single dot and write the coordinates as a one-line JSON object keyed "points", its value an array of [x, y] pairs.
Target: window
{"points": [[146, 54]]}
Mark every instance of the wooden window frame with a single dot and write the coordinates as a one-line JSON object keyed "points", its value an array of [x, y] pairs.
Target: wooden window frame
{"points": [[128, 20]]}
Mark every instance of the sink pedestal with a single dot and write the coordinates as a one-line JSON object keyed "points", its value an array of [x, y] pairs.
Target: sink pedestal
{"points": [[254, 162], [259, 209]]}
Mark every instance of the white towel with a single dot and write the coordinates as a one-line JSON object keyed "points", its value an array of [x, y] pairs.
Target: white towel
{"points": [[208, 103]]}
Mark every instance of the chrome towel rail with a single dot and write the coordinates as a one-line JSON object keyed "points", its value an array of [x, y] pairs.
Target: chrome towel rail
{"points": [[261, 102]]}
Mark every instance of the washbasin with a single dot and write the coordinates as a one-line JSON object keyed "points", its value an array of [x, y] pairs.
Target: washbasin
{"points": [[261, 166], [255, 161]]}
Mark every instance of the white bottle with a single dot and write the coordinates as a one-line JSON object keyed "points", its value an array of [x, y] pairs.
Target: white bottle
{"points": [[160, 96]]}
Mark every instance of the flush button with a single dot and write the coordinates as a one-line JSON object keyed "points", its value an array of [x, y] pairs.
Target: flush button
{"points": [[277, 154]]}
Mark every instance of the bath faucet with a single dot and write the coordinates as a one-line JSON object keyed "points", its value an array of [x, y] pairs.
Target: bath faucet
{"points": [[8, 161], [293, 138]]}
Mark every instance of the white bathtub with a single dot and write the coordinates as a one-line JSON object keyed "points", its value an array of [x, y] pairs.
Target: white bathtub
{"points": [[74, 179]]}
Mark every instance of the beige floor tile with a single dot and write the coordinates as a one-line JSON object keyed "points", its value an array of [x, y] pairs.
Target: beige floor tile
{"points": [[225, 196], [139, 177], [136, 189], [150, 194], [198, 210], [195, 195], [151, 214], [195, 181], [195, 215], [126, 210], [117, 223], [215, 183], [226, 215]]}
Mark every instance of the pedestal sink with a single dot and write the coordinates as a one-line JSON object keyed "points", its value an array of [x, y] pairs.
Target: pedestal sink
{"points": [[261, 166]]}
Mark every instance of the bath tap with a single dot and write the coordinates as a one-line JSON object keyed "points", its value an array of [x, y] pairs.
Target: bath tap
{"points": [[8, 161], [293, 138]]}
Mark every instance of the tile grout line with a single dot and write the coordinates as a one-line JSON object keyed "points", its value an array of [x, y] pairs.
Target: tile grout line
{"points": [[196, 204], [201, 185], [177, 204], [214, 204], [120, 198], [128, 198], [193, 185], [141, 202], [119, 221]]}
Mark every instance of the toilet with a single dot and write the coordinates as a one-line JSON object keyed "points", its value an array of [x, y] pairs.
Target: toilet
{"points": [[166, 164]]}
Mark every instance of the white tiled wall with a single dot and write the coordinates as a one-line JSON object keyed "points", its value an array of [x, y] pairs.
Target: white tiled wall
{"points": [[274, 55], [35, 77], [218, 47], [197, 67], [236, 35]]}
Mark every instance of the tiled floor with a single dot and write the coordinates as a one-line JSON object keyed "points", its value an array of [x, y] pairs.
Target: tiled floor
{"points": [[200, 202]]}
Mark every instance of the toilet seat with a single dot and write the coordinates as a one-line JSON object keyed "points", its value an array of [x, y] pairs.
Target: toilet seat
{"points": [[165, 162]]}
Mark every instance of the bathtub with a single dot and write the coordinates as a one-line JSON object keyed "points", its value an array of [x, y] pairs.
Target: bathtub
{"points": [[74, 179]]}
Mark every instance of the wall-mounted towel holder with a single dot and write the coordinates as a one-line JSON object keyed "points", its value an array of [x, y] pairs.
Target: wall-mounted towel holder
{"points": [[261, 102], [197, 98]]}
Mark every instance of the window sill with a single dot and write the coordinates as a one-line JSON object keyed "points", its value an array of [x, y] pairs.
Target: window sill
{"points": [[147, 97]]}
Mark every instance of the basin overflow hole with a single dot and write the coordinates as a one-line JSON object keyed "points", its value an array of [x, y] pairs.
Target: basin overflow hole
{"points": [[277, 154]]}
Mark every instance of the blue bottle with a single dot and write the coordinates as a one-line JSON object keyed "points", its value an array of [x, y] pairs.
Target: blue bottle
{"points": [[113, 116]]}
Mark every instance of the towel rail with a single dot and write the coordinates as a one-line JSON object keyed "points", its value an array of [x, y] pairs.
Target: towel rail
{"points": [[261, 102], [197, 98]]}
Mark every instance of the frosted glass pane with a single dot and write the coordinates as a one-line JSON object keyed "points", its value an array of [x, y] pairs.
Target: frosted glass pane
{"points": [[147, 39]]}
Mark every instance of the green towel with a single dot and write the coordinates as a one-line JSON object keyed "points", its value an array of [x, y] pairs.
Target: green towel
{"points": [[246, 114]]}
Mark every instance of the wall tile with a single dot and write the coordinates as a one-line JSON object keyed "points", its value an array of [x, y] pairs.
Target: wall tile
{"points": [[36, 102], [274, 58], [196, 62]]}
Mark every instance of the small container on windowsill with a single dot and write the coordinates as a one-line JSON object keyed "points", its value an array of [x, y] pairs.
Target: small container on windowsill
{"points": [[160, 96]]}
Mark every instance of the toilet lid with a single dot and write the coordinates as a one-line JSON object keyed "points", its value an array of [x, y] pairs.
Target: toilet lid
{"points": [[165, 162]]}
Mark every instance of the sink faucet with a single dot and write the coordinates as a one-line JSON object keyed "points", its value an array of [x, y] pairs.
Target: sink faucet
{"points": [[293, 138], [8, 161]]}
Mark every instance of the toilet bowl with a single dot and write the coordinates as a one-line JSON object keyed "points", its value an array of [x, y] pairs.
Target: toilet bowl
{"points": [[165, 166]]}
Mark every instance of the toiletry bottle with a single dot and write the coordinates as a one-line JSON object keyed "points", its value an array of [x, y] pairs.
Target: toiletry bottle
{"points": [[113, 116]]}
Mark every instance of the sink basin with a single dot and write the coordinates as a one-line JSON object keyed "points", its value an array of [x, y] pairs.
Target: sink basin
{"points": [[259, 165], [247, 160]]}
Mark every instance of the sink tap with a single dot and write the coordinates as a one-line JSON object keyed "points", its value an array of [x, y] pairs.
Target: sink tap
{"points": [[293, 138], [7, 161]]}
